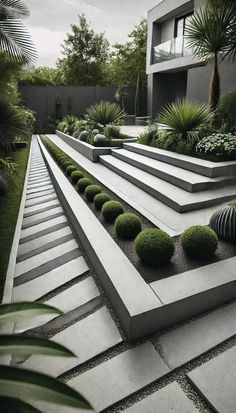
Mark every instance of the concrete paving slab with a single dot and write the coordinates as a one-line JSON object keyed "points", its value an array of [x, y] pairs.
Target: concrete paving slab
{"points": [[69, 299], [41, 242], [46, 267], [41, 215], [196, 337], [46, 256], [34, 231], [41, 200], [120, 376], [86, 339], [39, 194], [42, 188], [169, 399], [38, 183], [40, 208], [57, 408], [42, 285], [192, 282], [216, 380]]}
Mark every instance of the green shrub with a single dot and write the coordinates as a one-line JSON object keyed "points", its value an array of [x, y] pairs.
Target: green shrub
{"points": [[111, 210], [199, 241], [105, 113], [65, 164], [100, 140], [83, 183], [83, 136], [154, 247], [128, 226], [221, 146], [149, 136], [100, 199], [183, 119], [76, 175], [91, 191], [67, 125], [95, 132], [226, 111], [112, 132], [61, 159], [70, 169]]}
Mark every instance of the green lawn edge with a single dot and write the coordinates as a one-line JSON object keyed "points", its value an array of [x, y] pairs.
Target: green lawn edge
{"points": [[9, 209]]}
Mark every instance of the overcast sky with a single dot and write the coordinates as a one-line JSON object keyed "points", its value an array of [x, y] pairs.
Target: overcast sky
{"points": [[50, 20]]}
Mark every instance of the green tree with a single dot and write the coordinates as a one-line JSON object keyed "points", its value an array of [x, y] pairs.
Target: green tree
{"points": [[42, 76], [14, 38], [208, 35], [128, 62], [85, 54]]}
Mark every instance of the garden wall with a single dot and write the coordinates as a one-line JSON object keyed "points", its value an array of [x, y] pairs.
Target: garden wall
{"points": [[58, 101]]}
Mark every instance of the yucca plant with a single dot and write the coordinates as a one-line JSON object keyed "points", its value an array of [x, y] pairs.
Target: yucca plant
{"points": [[18, 385], [183, 119], [14, 38], [12, 123], [105, 113], [207, 35]]}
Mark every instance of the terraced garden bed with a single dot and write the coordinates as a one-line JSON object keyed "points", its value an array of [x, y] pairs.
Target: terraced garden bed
{"points": [[179, 263]]}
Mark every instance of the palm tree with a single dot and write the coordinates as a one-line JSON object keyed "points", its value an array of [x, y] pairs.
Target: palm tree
{"points": [[14, 38], [208, 36]]}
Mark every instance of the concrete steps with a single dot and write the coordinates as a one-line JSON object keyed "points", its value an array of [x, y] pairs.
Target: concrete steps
{"points": [[199, 166], [171, 195], [185, 179]]}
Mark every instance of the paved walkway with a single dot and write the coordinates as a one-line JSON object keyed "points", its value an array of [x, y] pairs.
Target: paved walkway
{"points": [[133, 130], [115, 376]]}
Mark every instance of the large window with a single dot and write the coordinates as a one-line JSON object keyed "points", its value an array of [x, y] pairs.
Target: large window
{"points": [[180, 24]]}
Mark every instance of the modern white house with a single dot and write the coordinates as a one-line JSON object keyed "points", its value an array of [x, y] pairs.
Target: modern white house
{"points": [[172, 70]]}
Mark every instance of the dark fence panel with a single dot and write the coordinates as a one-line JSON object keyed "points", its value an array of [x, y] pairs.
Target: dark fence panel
{"points": [[58, 101]]}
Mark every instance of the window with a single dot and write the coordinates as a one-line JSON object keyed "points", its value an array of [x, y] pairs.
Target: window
{"points": [[180, 24]]}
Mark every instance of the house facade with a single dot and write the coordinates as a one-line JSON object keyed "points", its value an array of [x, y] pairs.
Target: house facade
{"points": [[172, 70]]}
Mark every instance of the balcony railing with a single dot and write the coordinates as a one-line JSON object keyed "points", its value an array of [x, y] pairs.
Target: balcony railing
{"points": [[172, 49]]}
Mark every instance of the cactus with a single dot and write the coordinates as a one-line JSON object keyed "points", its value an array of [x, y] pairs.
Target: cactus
{"points": [[223, 222]]}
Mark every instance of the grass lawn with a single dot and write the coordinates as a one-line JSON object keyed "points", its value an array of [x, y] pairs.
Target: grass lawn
{"points": [[9, 207]]}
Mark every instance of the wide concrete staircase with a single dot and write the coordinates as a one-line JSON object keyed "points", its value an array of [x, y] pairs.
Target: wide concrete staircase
{"points": [[182, 182]]}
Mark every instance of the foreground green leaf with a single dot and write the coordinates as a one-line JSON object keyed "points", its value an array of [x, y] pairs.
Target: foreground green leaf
{"points": [[10, 405], [17, 311], [19, 344], [31, 385]]}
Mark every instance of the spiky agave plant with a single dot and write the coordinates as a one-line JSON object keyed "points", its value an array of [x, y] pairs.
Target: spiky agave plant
{"points": [[105, 113], [19, 385], [11, 124], [184, 118], [14, 38]]}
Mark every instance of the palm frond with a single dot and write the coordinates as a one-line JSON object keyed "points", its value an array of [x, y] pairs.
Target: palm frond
{"points": [[13, 9], [16, 41], [11, 125], [207, 32]]}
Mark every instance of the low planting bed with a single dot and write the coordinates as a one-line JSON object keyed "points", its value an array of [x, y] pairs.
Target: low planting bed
{"points": [[179, 261], [90, 151], [143, 308]]}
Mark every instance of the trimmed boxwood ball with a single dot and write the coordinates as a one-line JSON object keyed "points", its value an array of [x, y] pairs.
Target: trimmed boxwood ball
{"points": [[66, 164], [100, 140], [95, 132], [83, 183], [70, 169], [91, 191], [76, 175], [83, 136], [199, 241], [111, 210], [154, 247], [100, 199], [128, 226]]}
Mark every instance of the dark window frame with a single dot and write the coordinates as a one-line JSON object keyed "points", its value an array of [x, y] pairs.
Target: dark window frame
{"points": [[184, 17]]}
